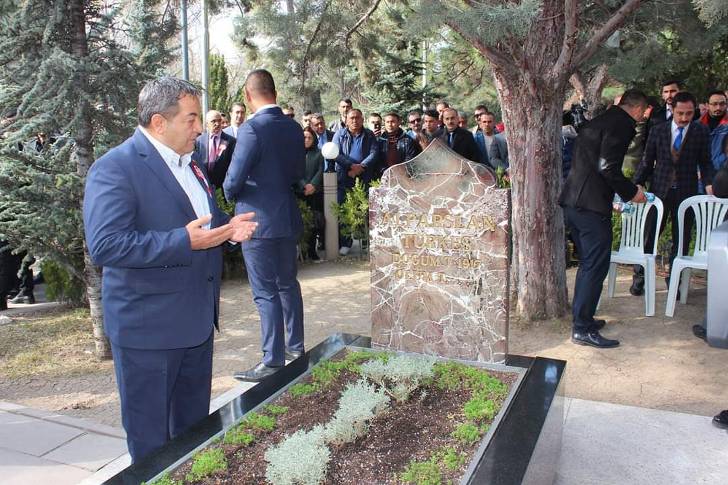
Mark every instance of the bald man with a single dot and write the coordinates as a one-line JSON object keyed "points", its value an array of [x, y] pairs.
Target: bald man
{"points": [[214, 148]]}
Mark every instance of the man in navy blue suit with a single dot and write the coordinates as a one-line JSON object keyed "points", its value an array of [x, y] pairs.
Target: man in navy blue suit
{"points": [[151, 221], [269, 158]]}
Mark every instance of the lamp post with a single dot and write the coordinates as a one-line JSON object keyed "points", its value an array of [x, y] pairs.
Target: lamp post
{"points": [[185, 46], [205, 57]]}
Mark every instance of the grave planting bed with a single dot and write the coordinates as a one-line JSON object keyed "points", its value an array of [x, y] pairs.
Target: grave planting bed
{"points": [[466, 423]]}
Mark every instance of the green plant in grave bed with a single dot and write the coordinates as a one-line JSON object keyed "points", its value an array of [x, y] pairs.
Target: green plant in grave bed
{"points": [[450, 458], [275, 410], [467, 433], [422, 473], [326, 372], [163, 480], [479, 407], [238, 436], [259, 422], [207, 463], [301, 389]]}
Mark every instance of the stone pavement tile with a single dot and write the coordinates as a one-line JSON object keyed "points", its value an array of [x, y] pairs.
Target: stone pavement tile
{"points": [[89, 451], [610, 444], [58, 418], [33, 436], [21, 469]]}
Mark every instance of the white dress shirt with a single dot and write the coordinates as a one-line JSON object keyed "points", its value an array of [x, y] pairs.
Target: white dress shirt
{"points": [[179, 166], [262, 108]]}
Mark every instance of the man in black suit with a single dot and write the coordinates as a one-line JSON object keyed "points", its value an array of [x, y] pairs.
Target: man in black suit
{"points": [[458, 139], [673, 153], [596, 174], [214, 149]]}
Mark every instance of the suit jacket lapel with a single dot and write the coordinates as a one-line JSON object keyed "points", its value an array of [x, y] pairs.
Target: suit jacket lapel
{"points": [[153, 161]]}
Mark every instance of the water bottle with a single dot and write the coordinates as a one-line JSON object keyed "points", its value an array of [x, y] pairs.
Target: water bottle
{"points": [[620, 206]]}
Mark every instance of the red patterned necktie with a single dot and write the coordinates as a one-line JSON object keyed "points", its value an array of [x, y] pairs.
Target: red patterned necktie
{"points": [[201, 177], [212, 155]]}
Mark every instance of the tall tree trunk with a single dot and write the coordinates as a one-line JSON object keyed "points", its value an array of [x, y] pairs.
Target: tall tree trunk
{"points": [[83, 136], [533, 128]]}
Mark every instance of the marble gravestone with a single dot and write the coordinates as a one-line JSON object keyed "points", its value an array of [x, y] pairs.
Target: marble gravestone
{"points": [[439, 255]]}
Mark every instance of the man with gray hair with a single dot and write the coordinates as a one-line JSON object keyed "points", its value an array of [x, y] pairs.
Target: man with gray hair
{"points": [[151, 221], [214, 148]]}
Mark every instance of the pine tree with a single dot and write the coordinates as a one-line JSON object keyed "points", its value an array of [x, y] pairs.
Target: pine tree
{"points": [[72, 70], [218, 91]]}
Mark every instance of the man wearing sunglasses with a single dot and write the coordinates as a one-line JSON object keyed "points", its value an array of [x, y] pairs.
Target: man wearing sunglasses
{"points": [[414, 123]]}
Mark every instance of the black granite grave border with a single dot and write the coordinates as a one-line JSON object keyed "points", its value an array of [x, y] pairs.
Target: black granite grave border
{"points": [[524, 447]]}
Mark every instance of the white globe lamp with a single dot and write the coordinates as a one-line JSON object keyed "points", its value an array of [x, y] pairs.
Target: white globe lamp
{"points": [[330, 150]]}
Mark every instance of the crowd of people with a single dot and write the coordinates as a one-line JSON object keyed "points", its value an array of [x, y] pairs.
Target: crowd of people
{"points": [[365, 150], [681, 153]]}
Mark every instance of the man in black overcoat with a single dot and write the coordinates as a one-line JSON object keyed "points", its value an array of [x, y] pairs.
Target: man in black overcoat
{"points": [[595, 176]]}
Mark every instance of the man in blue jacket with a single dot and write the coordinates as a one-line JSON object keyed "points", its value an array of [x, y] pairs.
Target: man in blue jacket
{"points": [[357, 159], [269, 159], [151, 221]]}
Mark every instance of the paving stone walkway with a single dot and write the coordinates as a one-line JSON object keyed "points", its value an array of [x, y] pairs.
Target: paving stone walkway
{"points": [[41, 447]]}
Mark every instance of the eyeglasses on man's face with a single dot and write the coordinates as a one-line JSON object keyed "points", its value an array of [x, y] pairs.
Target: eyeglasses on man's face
{"points": [[415, 120]]}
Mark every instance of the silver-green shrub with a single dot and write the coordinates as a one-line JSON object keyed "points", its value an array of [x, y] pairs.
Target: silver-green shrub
{"points": [[300, 459], [401, 375], [359, 404]]}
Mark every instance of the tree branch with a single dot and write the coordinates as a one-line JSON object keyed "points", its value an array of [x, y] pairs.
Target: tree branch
{"points": [[577, 83], [304, 61], [571, 22], [359, 23], [494, 57], [601, 35]]}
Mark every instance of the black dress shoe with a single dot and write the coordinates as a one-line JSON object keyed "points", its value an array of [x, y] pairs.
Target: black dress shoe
{"points": [[593, 339], [700, 332], [293, 354], [721, 419], [636, 290], [257, 373], [598, 324]]}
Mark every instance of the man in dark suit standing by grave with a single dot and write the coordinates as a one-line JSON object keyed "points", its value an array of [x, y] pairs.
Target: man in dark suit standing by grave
{"points": [[151, 221], [214, 148], [674, 152], [458, 139], [596, 174], [269, 159]]}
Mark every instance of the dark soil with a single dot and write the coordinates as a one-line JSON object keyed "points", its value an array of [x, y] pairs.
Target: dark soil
{"points": [[408, 431]]}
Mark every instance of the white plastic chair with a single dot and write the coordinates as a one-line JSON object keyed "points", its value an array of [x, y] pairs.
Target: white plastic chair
{"points": [[632, 251], [709, 213]]}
